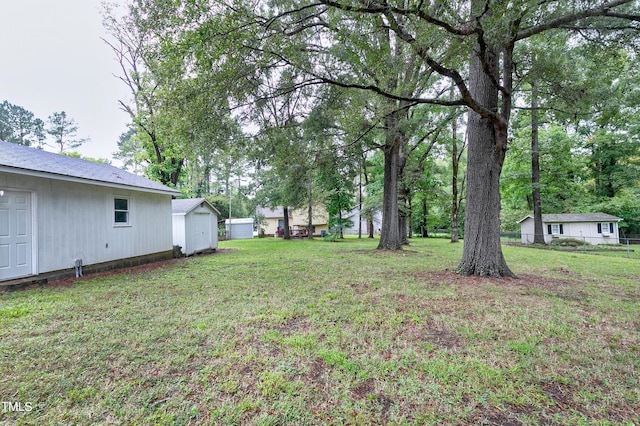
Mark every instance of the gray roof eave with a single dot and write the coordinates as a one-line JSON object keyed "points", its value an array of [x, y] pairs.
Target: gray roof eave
{"points": [[189, 204], [48, 175]]}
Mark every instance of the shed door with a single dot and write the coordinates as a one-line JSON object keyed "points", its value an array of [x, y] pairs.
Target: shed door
{"points": [[15, 234], [202, 227]]}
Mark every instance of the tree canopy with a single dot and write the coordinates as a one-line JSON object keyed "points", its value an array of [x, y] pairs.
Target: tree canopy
{"points": [[194, 66]]}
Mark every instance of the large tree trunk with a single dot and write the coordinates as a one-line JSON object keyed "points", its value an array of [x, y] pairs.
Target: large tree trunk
{"points": [[538, 232], [402, 214], [310, 209], [369, 215], [410, 215], [455, 225], [390, 238], [482, 253], [286, 234], [455, 163], [423, 220], [403, 190], [360, 204]]}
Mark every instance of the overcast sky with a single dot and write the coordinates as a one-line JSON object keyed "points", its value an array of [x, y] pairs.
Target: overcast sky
{"points": [[52, 59]]}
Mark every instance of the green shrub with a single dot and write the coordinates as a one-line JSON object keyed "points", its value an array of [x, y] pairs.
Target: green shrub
{"points": [[568, 242]]}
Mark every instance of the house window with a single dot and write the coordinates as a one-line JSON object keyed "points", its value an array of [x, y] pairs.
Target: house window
{"points": [[121, 211], [605, 228], [555, 229]]}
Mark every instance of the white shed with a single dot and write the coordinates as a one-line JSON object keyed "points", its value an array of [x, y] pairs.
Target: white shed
{"points": [[239, 229], [593, 228], [195, 225], [58, 211]]}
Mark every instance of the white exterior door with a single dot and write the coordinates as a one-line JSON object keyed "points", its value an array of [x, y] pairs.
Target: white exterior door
{"points": [[15, 235], [202, 231]]}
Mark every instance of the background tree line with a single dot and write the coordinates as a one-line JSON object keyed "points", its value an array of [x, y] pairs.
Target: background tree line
{"points": [[421, 101], [20, 126]]}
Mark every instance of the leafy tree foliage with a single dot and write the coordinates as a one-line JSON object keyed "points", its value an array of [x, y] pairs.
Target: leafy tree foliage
{"points": [[588, 137], [20, 126], [486, 34], [402, 53], [63, 130]]}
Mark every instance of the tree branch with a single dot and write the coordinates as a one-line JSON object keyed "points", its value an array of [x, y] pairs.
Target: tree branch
{"points": [[602, 10], [385, 8]]}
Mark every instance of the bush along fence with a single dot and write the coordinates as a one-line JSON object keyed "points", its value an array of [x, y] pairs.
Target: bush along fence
{"points": [[584, 243]]}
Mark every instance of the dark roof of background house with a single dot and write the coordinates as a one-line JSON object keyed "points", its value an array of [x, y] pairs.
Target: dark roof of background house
{"points": [[580, 217], [576, 217], [270, 213], [31, 159]]}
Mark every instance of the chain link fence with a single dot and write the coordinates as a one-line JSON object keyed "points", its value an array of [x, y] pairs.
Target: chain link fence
{"points": [[626, 244], [586, 244]]}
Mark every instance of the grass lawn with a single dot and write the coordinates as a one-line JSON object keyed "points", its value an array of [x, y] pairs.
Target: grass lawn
{"points": [[271, 332]]}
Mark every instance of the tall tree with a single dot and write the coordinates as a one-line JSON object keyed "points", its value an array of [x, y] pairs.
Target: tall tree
{"points": [[472, 43], [347, 51], [550, 62], [280, 149], [20, 126], [130, 150], [134, 46], [611, 132], [336, 178], [538, 231], [63, 130], [567, 91], [457, 183], [488, 32]]}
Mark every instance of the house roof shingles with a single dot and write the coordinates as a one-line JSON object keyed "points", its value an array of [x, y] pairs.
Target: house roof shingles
{"points": [[576, 217], [580, 217], [26, 159], [185, 205], [270, 213]]}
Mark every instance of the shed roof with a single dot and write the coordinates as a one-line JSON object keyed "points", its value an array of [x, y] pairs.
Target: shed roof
{"points": [[575, 217], [36, 162], [240, 221], [185, 205]]}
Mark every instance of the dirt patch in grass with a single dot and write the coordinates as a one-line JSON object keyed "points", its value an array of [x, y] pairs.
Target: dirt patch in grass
{"points": [[495, 417], [364, 389], [361, 287], [319, 369], [135, 270], [523, 280], [433, 333], [561, 395], [291, 325], [380, 253]]}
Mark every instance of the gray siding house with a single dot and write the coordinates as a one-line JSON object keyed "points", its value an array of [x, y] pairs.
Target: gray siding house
{"points": [[239, 229], [57, 211]]}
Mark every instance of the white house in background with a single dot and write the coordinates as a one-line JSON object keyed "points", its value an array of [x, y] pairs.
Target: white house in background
{"points": [[57, 211], [354, 216], [195, 225], [594, 228]]}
